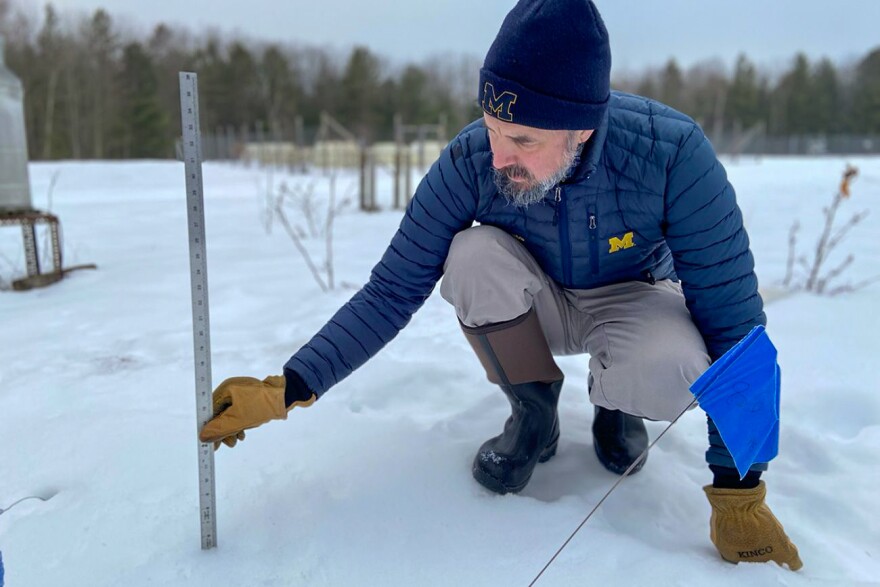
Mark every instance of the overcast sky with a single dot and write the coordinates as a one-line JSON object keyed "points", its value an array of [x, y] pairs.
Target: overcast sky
{"points": [[643, 32]]}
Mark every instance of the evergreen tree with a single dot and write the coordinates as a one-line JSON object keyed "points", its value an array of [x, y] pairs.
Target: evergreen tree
{"points": [[102, 48], [241, 99], [794, 99], [826, 98], [168, 52], [79, 100], [360, 92], [143, 123], [214, 90], [672, 86], [866, 95], [321, 79], [279, 90], [647, 87], [414, 101], [387, 109], [744, 95]]}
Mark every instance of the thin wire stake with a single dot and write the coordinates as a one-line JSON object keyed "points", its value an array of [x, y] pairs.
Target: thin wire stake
{"points": [[15, 503], [613, 487]]}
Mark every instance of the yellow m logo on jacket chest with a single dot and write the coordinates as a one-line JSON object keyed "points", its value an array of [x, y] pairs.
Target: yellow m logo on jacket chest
{"points": [[625, 242]]}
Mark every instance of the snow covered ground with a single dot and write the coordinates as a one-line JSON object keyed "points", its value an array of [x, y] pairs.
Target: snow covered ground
{"points": [[372, 485]]}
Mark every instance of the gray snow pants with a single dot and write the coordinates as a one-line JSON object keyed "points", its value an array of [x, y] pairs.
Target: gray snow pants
{"points": [[645, 350]]}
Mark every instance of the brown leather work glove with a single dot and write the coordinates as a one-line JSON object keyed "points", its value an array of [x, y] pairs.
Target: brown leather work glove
{"points": [[743, 528], [241, 403]]}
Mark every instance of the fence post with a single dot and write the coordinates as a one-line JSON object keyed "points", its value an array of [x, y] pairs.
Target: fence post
{"points": [[398, 160], [407, 165], [372, 169], [363, 179], [245, 139]]}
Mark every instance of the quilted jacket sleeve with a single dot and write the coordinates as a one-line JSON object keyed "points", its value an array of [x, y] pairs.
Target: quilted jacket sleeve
{"points": [[444, 203], [710, 247]]}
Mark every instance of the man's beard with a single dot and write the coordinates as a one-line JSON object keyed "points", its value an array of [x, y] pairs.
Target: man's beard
{"points": [[522, 194]]}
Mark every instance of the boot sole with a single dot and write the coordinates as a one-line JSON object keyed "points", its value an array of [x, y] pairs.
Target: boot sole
{"points": [[615, 468], [496, 486], [549, 451]]}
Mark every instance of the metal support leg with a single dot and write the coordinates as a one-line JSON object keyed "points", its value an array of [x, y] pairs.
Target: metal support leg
{"points": [[55, 231], [32, 259]]}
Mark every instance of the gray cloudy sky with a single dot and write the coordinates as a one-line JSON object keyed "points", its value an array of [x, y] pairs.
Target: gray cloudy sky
{"points": [[643, 32]]}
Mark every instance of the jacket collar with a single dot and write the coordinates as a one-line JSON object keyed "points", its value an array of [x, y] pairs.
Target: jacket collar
{"points": [[591, 152]]}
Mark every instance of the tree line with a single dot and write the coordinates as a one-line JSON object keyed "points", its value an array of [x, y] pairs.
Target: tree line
{"points": [[94, 90], [817, 98]]}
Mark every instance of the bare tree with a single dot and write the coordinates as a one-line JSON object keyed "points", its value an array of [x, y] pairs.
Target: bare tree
{"points": [[302, 199], [815, 276]]}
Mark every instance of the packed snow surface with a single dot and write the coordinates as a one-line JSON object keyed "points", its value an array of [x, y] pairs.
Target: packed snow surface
{"points": [[372, 485]]}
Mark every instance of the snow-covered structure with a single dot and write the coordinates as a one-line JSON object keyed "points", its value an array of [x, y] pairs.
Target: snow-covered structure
{"points": [[15, 192]]}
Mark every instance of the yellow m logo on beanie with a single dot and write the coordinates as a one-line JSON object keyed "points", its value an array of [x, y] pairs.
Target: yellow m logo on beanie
{"points": [[498, 106]]}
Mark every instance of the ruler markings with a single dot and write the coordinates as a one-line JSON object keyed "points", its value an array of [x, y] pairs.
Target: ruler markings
{"points": [[192, 157]]}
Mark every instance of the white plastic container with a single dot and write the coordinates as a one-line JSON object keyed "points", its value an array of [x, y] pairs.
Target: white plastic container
{"points": [[15, 193]]}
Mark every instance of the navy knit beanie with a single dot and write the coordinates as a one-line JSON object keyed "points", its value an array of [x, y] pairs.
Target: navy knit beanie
{"points": [[549, 67]]}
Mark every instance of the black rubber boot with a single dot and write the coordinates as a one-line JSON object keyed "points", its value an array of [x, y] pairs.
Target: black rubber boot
{"points": [[504, 464], [516, 357], [619, 439]]}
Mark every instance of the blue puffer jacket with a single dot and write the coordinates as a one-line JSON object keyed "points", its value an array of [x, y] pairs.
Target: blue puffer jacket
{"points": [[648, 200]]}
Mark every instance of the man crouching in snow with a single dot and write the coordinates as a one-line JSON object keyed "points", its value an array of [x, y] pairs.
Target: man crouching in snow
{"points": [[606, 226]]}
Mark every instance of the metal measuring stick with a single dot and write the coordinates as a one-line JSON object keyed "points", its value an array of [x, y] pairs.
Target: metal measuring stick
{"points": [[198, 264]]}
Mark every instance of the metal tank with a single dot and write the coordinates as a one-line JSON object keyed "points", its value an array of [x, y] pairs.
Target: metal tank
{"points": [[15, 193]]}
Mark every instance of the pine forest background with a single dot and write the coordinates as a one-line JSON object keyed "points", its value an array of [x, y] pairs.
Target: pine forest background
{"points": [[95, 90]]}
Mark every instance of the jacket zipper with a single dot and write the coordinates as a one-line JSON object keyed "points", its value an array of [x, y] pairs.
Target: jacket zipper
{"points": [[565, 245], [594, 243]]}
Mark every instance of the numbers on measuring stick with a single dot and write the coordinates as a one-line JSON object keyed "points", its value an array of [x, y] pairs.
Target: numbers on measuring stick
{"points": [[191, 142]]}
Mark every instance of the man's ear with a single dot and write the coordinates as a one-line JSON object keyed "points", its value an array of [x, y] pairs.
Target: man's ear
{"points": [[584, 135]]}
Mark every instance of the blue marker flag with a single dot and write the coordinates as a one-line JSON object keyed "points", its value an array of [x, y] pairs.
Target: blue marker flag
{"points": [[740, 392]]}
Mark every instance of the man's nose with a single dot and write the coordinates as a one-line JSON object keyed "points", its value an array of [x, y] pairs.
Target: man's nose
{"points": [[502, 158]]}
